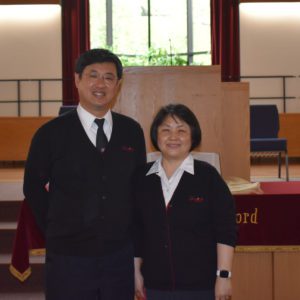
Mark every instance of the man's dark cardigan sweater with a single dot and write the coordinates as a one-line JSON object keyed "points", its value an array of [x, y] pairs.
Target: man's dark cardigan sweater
{"points": [[87, 211], [178, 243]]}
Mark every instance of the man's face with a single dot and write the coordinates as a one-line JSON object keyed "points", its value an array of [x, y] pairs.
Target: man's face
{"points": [[97, 87]]}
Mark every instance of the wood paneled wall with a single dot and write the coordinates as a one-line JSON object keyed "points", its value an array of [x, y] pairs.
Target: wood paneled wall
{"points": [[222, 109], [16, 134], [290, 129]]}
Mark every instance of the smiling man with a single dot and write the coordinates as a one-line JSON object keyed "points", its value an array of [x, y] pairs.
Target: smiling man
{"points": [[86, 158]]}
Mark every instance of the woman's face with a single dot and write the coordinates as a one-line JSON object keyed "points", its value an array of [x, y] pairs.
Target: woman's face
{"points": [[174, 138]]}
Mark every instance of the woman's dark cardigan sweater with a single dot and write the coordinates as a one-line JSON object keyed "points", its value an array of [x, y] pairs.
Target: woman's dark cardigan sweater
{"points": [[178, 243]]}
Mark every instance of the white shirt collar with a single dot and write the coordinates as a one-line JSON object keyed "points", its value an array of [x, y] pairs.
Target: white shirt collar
{"points": [[87, 119], [187, 165]]}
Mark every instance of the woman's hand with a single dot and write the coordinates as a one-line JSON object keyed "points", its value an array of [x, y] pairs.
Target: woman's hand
{"points": [[223, 289], [138, 279]]}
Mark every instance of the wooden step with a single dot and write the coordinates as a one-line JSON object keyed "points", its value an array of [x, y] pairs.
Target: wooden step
{"points": [[7, 235], [11, 190], [9, 210], [22, 296], [11, 197]]}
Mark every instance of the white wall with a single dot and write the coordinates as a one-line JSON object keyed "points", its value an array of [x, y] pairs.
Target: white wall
{"points": [[30, 38], [270, 45]]}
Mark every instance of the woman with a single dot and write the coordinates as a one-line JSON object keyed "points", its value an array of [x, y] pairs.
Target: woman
{"points": [[185, 217]]}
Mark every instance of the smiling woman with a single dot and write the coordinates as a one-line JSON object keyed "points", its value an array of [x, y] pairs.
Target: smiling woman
{"points": [[174, 138], [188, 252]]}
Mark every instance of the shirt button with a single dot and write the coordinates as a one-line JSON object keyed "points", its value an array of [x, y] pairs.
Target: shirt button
{"points": [[103, 197]]}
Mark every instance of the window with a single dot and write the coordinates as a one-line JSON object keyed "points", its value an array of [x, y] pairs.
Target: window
{"points": [[153, 32]]}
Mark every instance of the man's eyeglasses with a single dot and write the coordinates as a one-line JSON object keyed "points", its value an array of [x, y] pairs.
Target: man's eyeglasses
{"points": [[108, 78]]}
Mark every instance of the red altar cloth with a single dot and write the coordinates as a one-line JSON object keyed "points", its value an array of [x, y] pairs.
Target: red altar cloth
{"points": [[281, 188], [270, 219]]}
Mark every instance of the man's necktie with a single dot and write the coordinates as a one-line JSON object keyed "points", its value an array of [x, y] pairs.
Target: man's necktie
{"points": [[101, 139]]}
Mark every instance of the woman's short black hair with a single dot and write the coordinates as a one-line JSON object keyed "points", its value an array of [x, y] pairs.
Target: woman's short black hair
{"points": [[98, 56], [181, 112]]}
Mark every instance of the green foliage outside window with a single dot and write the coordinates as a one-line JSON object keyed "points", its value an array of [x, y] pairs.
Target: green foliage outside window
{"points": [[154, 57], [129, 30]]}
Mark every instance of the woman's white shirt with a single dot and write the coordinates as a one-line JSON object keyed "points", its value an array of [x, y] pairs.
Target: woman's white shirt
{"points": [[169, 185]]}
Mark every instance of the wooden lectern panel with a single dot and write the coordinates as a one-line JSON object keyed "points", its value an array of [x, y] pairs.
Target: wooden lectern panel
{"points": [[287, 275], [252, 277], [236, 129], [146, 89]]}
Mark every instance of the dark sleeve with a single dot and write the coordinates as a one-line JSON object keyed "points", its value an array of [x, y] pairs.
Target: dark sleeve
{"points": [[141, 156], [36, 176], [138, 223], [224, 214]]}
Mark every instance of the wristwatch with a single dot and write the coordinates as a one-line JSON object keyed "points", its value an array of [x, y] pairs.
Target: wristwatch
{"points": [[223, 274]]}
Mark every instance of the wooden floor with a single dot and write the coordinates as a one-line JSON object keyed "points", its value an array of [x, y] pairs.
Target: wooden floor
{"points": [[267, 170], [11, 174]]}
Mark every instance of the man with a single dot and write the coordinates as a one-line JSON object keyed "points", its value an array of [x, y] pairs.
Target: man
{"points": [[78, 184]]}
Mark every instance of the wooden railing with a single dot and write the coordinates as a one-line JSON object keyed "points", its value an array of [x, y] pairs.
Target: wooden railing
{"points": [[283, 96], [42, 93]]}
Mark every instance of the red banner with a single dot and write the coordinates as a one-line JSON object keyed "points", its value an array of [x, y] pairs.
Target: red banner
{"points": [[28, 240], [271, 218]]}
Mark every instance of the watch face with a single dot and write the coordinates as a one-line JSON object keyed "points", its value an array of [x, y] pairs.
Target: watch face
{"points": [[224, 274]]}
